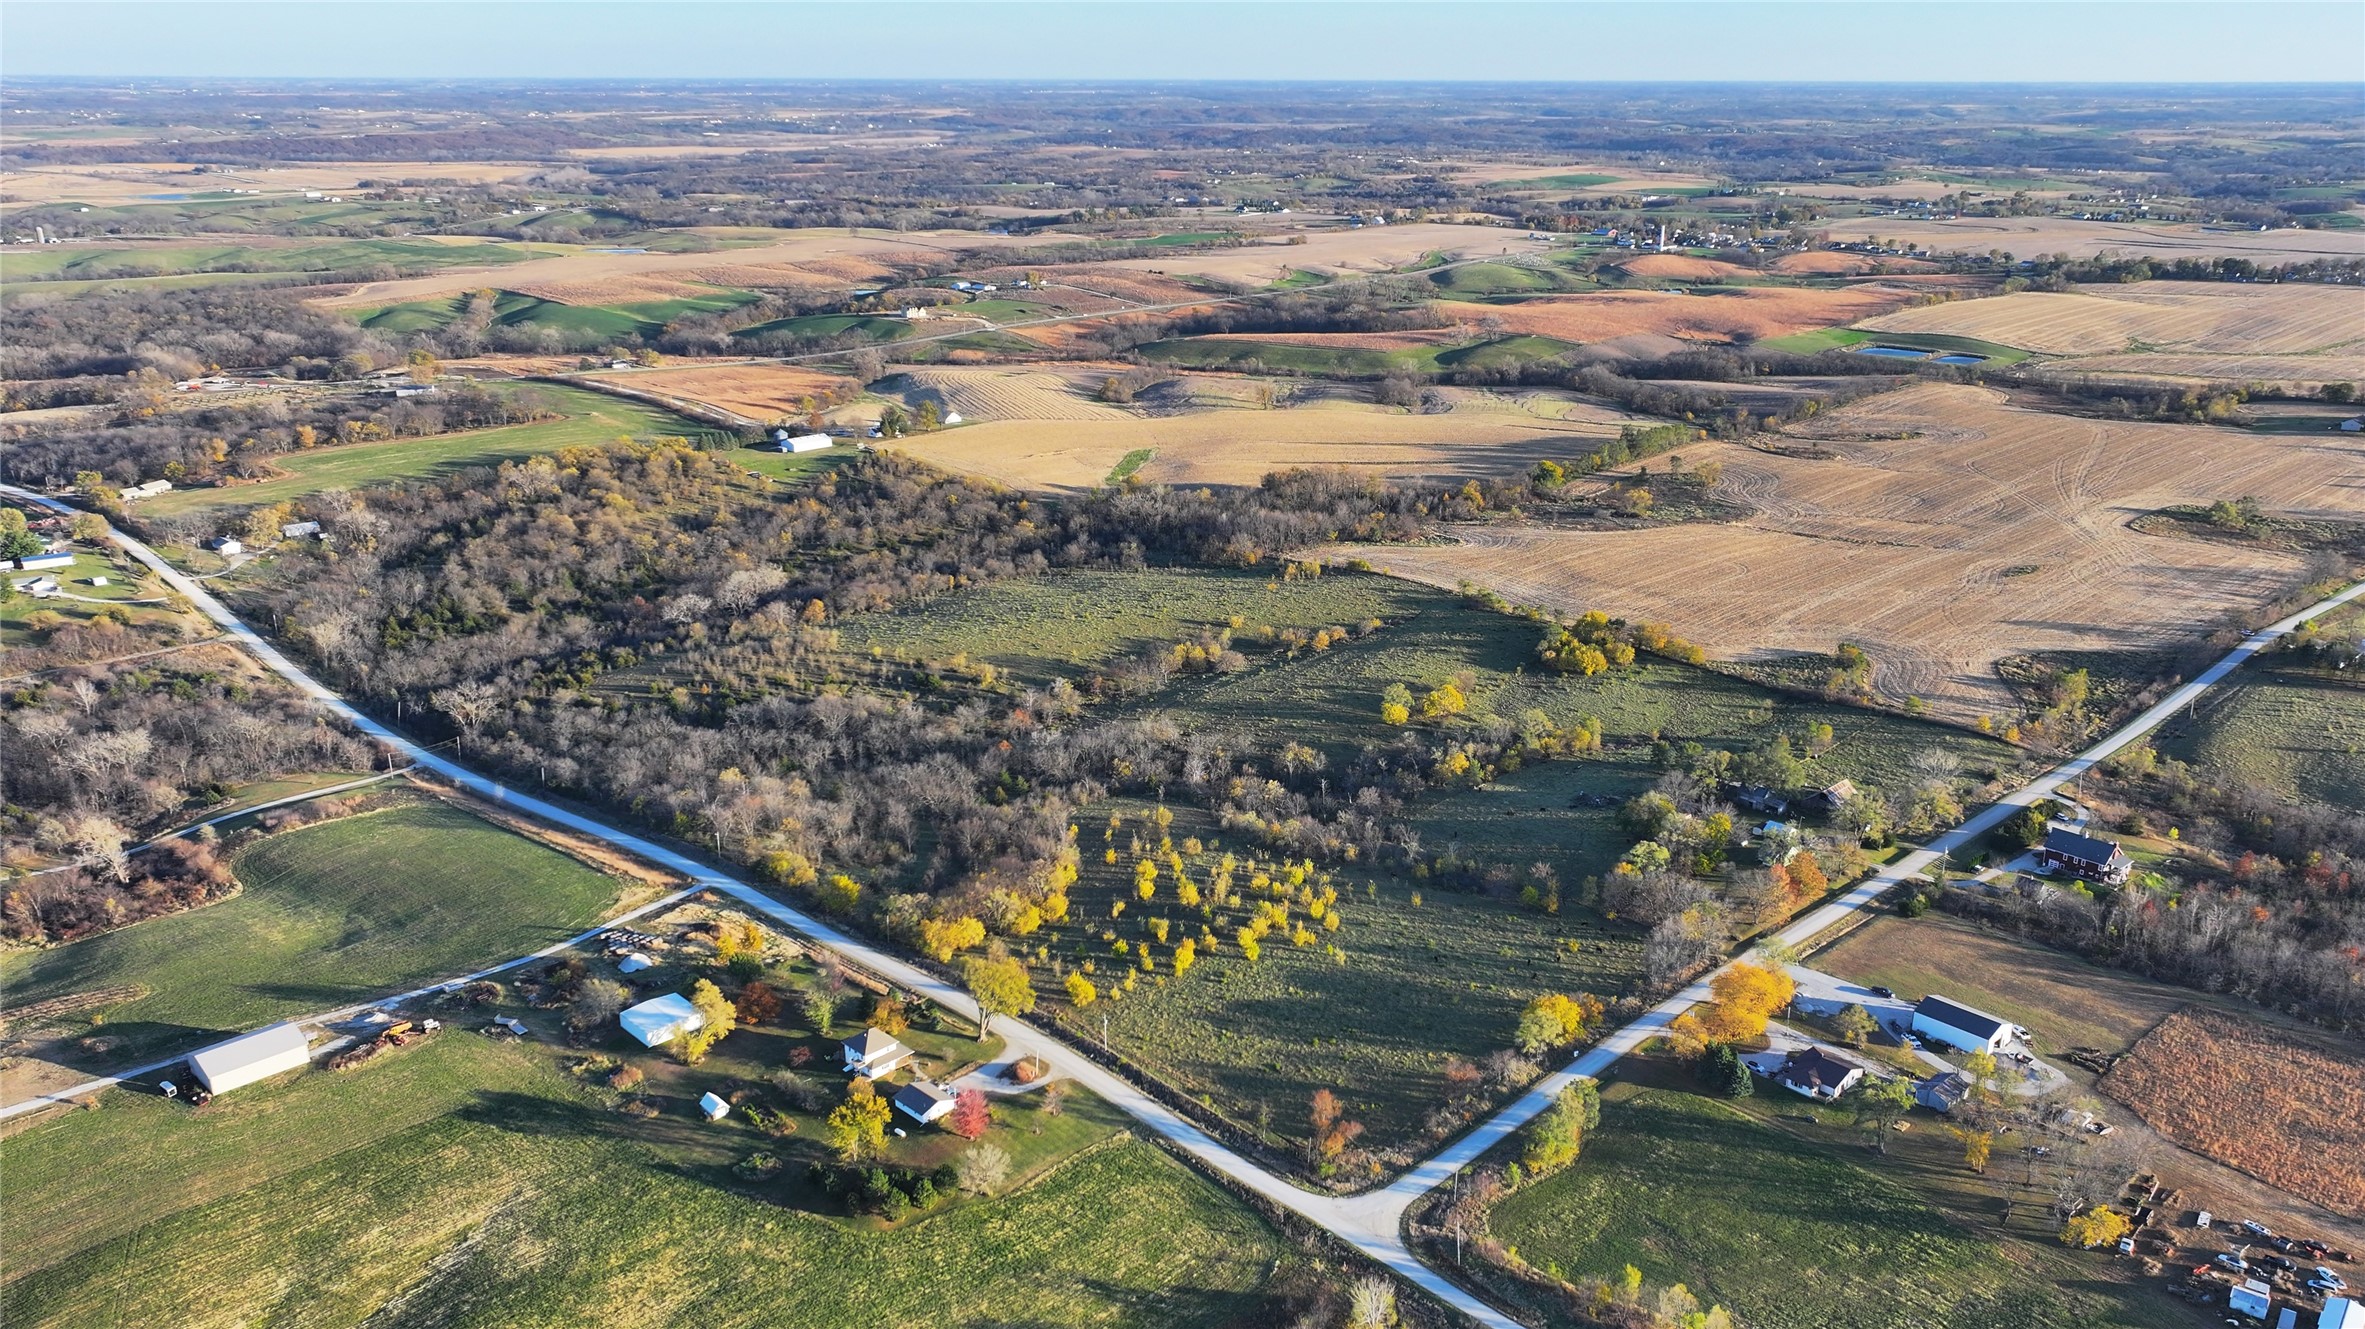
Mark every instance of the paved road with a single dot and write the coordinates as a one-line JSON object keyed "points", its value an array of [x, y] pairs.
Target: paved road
{"points": [[1371, 1222], [235, 813]]}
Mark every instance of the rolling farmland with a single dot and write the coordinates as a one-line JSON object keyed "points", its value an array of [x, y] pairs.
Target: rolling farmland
{"points": [[2154, 316], [1756, 312], [1236, 447], [1984, 532], [2025, 237]]}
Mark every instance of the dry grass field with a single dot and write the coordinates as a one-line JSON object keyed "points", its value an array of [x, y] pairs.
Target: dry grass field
{"points": [[1238, 447], [2282, 1108], [2027, 237], [1683, 267], [1832, 263], [2292, 319], [1342, 252], [1984, 531], [1346, 341], [1760, 312], [758, 391]]}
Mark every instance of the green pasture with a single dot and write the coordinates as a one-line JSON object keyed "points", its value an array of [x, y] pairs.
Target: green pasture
{"points": [[1794, 1229], [591, 418], [464, 1182], [330, 914]]}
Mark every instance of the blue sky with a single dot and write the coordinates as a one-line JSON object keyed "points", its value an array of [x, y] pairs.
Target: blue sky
{"points": [[1705, 40]]}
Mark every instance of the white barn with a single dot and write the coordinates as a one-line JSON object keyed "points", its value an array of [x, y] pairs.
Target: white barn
{"points": [[1954, 1025], [662, 1020], [256, 1056]]}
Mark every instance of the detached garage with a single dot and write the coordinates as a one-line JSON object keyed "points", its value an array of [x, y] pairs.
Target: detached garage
{"points": [[257, 1056]]}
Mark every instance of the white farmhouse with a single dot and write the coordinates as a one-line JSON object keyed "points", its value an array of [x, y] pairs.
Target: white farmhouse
{"points": [[662, 1020], [874, 1052], [256, 1056], [1954, 1025]]}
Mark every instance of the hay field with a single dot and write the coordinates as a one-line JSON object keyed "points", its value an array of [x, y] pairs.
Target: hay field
{"points": [[2290, 319], [2302, 371], [1684, 267], [2026, 237], [1342, 252], [815, 257], [758, 391], [1988, 532], [1238, 447], [1760, 312], [2271, 1104]]}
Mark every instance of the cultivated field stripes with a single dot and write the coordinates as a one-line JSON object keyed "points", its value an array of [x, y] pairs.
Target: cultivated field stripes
{"points": [[1983, 532], [2229, 318]]}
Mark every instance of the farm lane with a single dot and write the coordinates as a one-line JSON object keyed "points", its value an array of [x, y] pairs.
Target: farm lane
{"points": [[1371, 1222]]}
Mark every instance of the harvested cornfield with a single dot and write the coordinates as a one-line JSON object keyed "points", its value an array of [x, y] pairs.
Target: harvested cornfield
{"points": [[1370, 249], [2303, 372], [2283, 1108], [2289, 318], [1036, 392], [1683, 267], [1968, 532], [806, 258], [2026, 237], [1238, 447], [1755, 312], [757, 391]]}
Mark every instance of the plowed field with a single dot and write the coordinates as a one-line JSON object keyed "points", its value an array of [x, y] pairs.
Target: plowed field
{"points": [[760, 392], [2026, 237], [2287, 319], [2302, 371], [1827, 262], [1048, 392], [1988, 531]]}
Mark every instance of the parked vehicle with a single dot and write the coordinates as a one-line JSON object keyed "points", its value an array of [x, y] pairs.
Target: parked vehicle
{"points": [[2229, 1260], [2328, 1281], [1881, 992], [2256, 1228], [2201, 1219]]}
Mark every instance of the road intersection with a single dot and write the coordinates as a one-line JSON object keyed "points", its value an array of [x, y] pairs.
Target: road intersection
{"points": [[1371, 1222]]}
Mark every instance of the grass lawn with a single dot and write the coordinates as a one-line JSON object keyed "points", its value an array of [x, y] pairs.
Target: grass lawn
{"points": [[1789, 1232], [791, 466], [1487, 278], [591, 418], [2300, 733], [465, 1183], [330, 914]]}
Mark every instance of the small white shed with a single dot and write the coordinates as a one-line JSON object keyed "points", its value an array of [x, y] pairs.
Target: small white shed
{"points": [[662, 1020], [633, 962], [256, 1056], [713, 1108]]}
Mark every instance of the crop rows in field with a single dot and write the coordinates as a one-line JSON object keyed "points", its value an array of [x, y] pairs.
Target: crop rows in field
{"points": [[1041, 392], [1756, 312], [1982, 532]]}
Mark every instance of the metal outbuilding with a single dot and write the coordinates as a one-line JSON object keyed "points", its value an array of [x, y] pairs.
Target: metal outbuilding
{"points": [[256, 1056]]}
